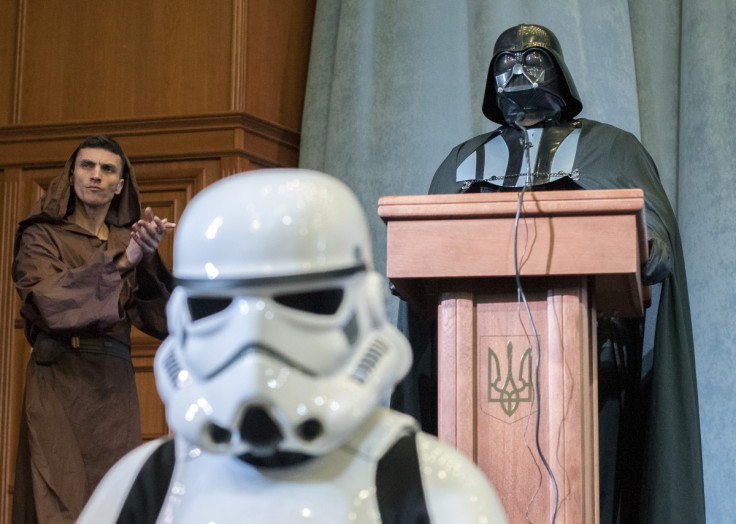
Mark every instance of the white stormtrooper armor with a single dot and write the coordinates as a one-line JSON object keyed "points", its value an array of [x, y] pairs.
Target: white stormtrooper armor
{"points": [[279, 357]]}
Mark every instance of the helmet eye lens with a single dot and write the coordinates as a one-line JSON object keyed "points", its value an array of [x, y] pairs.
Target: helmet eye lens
{"points": [[527, 67], [322, 302], [201, 307], [536, 58], [535, 62], [504, 63]]}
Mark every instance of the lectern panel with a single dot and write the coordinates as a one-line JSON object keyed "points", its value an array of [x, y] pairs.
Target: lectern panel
{"points": [[508, 393]]}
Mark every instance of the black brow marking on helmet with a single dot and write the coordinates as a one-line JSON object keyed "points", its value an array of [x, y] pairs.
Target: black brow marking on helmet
{"points": [[258, 348], [216, 284]]}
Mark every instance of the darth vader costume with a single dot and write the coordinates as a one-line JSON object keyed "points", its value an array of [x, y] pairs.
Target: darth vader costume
{"points": [[650, 450]]}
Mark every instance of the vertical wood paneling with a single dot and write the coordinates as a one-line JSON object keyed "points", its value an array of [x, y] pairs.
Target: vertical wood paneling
{"points": [[237, 55], [10, 372], [7, 202], [276, 35], [10, 30]]}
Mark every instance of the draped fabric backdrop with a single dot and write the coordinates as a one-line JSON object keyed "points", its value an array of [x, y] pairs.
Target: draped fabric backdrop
{"points": [[395, 84]]}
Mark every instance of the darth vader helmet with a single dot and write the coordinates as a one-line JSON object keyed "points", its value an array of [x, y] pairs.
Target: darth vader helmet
{"points": [[279, 340], [528, 78]]}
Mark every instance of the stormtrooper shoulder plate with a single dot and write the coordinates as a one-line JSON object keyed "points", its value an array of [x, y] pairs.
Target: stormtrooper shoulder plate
{"points": [[115, 490], [454, 488]]}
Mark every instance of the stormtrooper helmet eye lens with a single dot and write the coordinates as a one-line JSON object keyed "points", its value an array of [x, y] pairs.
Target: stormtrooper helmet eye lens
{"points": [[321, 302], [201, 307]]}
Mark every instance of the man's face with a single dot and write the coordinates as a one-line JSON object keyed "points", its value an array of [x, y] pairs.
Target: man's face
{"points": [[97, 176]]}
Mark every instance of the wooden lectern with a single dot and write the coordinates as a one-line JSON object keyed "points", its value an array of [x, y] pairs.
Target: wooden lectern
{"points": [[579, 255]]}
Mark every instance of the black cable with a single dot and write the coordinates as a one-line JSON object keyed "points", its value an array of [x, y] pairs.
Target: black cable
{"points": [[520, 291]]}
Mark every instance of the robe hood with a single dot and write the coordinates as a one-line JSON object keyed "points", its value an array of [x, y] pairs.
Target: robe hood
{"points": [[59, 200]]}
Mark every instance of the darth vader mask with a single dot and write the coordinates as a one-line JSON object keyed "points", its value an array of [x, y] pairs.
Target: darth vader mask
{"points": [[528, 78], [527, 86]]}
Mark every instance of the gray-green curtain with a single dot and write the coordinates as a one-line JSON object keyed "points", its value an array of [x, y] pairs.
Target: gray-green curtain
{"points": [[395, 84]]}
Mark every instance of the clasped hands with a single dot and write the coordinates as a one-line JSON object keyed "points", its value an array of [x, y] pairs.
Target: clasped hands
{"points": [[145, 237]]}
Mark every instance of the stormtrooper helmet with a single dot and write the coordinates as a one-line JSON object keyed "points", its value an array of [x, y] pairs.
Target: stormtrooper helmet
{"points": [[528, 78], [279, 342]]}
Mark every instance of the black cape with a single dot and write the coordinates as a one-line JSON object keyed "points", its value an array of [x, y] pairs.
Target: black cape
{"points": [[651, 463]]}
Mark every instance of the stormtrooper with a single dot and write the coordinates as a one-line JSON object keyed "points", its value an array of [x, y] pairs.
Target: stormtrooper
{"points": [[274, 376], [540, 144]]}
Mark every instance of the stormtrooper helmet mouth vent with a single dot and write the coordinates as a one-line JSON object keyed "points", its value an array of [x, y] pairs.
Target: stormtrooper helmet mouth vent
{"points": [[261, 432]]}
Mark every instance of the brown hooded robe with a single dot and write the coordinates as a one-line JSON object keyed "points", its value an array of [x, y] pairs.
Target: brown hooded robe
{"points": [[80, 409]]}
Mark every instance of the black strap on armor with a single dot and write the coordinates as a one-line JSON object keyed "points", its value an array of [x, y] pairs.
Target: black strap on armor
{"points": [[148, 492], [399, 485]]}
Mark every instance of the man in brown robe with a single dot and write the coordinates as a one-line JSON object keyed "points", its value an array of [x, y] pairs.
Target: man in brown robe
{"points": [[86, 267]]}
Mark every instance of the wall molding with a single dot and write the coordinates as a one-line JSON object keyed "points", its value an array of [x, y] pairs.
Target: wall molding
{"points": [[198, 136]]}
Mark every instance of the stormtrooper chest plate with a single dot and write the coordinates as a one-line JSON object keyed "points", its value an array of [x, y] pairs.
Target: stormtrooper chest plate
{"points": [[211, 488], [337, 487]]}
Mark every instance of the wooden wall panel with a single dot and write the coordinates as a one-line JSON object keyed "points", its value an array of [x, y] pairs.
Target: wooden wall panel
{"points": [[11, 378], [8, 48], [166, 187], [81, 60], [170, 139], [153, 414], [86, 60], [276, 35]]}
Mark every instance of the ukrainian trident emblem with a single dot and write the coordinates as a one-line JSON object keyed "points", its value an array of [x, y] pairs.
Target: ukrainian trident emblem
{"points": [[510, 389]]}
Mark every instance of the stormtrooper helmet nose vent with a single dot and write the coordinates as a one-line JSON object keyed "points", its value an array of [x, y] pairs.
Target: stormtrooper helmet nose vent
{"points": [[259, 429]]}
